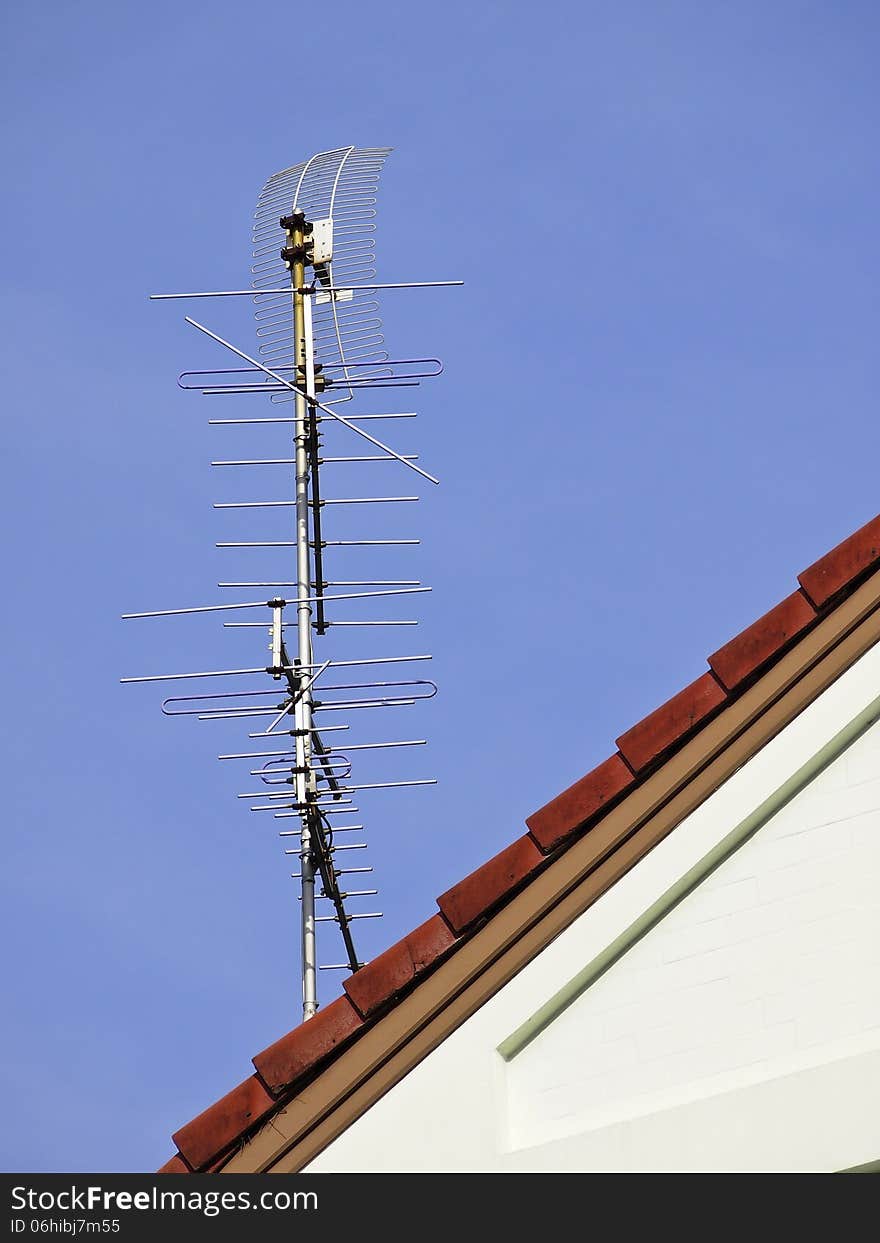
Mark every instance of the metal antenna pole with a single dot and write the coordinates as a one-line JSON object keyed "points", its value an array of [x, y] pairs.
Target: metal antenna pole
{"points": [[305, 789], [333, 317]]}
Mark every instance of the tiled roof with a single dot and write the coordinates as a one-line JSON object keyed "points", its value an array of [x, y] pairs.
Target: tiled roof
{"points": [[284, 1068]]}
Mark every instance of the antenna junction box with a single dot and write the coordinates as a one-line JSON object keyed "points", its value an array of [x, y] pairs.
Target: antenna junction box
{"points": [[322, 240]]}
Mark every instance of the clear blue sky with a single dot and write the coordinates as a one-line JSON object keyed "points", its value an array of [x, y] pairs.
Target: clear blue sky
{"points": [[659, 405]]}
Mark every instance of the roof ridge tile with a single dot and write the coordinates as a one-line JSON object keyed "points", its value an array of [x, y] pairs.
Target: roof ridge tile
{"points": [[301, 1049], [843, 565], [573, 809], [487, 885], [672, 722], [175, 1165], [223, 1123], [764, 640], [399, 966]]}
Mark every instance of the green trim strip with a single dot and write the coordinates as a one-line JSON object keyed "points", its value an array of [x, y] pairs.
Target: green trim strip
{"points": [[550, 1011]]}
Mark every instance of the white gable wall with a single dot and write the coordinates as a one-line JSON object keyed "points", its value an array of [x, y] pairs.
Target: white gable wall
{"points": [[719, 1008]]}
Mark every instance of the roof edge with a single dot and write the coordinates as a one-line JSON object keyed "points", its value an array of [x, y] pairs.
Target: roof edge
{"points": [[574, 879], [735, 670]]}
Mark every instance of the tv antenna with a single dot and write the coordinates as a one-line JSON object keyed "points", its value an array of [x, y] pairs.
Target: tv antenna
{"points": [[320, 351]]}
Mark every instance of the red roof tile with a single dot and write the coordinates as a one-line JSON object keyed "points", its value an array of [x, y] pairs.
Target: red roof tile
{"points": [[224, 1122], [844, 564], [474, 896], [571, 810], [397, 968], [206, 1141], [301, 1049], [175, 1165], [672, 722], [763, 640]]}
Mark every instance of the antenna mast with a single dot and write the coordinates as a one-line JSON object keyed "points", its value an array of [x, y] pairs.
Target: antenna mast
{"points": [[321, 347], [294, 254]]}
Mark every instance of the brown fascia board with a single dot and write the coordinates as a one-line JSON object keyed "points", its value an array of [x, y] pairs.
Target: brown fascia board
{"points": [[556, 895]]}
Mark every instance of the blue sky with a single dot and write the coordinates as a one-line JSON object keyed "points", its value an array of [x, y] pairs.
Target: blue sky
{"points": [[658, 406]]}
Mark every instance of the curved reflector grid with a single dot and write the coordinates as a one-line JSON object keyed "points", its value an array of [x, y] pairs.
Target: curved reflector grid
{"points": [[340, 184]]}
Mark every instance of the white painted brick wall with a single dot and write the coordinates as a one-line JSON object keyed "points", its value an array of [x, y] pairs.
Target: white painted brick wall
{"points": [[742, 1032], [776, 956]]}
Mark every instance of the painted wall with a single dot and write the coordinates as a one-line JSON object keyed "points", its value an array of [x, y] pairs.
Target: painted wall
{"points": [[738, 1029]]}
